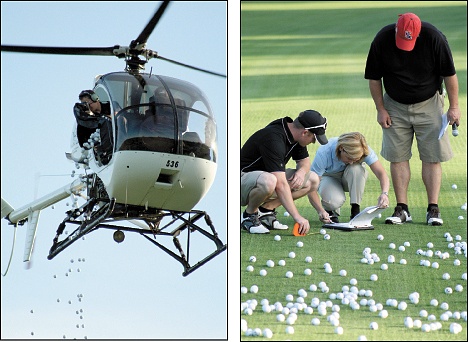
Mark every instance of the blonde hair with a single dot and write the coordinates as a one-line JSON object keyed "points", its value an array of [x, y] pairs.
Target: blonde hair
{"points": [[354, 144]]}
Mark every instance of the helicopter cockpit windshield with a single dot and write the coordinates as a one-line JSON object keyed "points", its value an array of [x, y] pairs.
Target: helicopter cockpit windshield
{"points": [[160, 114]]}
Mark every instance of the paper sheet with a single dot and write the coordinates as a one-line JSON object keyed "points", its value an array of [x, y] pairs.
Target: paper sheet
{"points": [[445, 124]]}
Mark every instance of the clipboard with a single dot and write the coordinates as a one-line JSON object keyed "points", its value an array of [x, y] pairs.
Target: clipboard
{"points": [[362, 221]]}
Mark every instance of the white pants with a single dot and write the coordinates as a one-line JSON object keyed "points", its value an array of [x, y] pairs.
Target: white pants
{"points": [[333, 186]]}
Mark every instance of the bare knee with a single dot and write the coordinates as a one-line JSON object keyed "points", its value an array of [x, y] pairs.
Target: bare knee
{"points": [[266, 183]]}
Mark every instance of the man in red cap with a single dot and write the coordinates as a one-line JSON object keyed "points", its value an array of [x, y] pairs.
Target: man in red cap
{"points": [[413, 59]]}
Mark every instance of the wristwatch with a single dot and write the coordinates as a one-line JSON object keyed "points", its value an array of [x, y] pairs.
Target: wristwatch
{"points": [[384, 193]]}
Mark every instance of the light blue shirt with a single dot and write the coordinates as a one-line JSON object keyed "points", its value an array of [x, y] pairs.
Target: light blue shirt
{"points": [[326, 161]]}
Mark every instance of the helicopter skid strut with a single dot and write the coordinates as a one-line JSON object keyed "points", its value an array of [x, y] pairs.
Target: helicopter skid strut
{"points": [[84, 228], [109, 213]]}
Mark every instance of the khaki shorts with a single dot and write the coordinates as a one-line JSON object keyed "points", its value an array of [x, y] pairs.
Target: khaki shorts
{"points": [[423, 120], [249, 181]]}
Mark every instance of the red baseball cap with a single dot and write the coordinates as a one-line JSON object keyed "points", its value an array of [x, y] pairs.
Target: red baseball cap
{"points": [[407, 30]]}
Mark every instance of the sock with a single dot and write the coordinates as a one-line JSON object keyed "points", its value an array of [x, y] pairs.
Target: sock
{"points": [[404, 206], [355, 209], [265, 210], [245, 214], [432, 205]]}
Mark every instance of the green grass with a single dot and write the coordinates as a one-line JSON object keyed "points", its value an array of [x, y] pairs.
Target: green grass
{"points": [[311, 55]]}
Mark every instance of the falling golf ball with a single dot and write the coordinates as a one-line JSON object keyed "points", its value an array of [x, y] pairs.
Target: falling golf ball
{"points": [[286, 214]]}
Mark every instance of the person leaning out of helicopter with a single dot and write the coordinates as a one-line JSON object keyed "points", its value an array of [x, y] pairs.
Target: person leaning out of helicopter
{"points": [[92, 114], [340, 166]]}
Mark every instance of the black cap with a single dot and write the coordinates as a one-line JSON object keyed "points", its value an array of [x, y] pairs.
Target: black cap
{"points": [[315, 123]]}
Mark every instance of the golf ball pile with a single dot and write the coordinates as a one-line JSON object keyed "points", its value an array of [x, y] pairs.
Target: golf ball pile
{"points": [[326, 303]]}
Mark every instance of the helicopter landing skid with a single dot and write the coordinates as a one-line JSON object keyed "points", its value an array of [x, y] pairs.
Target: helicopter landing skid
{"points": [[83, 229], [184, 259]]}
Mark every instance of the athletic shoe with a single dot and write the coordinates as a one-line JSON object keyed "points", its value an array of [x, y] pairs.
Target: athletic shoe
{"points": [[433, 217], [333, 216], [399, 216], [269, 220], [252, 224], [355, 209]]}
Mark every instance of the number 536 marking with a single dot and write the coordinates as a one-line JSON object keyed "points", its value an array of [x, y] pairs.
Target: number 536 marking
{"points": [[172, 163]]}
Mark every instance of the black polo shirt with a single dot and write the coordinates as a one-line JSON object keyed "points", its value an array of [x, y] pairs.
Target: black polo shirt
{"points": [[270, 148], [410, 76]]}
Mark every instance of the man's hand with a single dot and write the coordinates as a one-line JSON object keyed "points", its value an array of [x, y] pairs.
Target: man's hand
{"points": [[296, 181], [383, 118], [304, 226]]}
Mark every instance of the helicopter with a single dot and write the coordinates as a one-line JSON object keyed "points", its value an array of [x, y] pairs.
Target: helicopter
{"points": [[149, 179]]}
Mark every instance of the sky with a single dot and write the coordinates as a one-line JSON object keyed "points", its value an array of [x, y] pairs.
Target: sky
{"points": [[96, 288]]}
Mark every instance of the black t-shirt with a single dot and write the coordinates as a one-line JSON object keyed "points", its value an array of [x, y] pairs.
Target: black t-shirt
{"points": [[270, 148], [410, 76]]}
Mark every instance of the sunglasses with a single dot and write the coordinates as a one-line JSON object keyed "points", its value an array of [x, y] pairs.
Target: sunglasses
{"points": [[324, 126]]}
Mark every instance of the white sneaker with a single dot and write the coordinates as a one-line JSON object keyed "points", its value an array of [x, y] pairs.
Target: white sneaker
{"points": [[270, 221], [252, 224]]}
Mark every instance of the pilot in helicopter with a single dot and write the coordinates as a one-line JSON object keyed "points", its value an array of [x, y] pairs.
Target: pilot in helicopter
{"points": [[91, 114]]}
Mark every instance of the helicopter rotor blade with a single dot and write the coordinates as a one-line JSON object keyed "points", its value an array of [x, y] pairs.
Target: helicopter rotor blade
{"points": [[191, 67], [143, 37], [95, 51]]}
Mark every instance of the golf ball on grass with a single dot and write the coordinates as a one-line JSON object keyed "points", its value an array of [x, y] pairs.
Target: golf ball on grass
{"points": [[384, 267], [392, 245], [300, 244], [244, 289], [252, 258], [339, 330], [292, 255], [448, 290], [446, 276], [353, 281], [383, 313], [307, 271], [286, 214], [289, 274], [263, 273], [289, 330], [326, 237], [270, 263], [455, 328], [374, 277], [374, 326], [254, 289], [277, 238], [380, 237], [315, 321], [281, 263], [308, 259], [454, 186], [343, 273], [267, 333], [250, 268]]}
